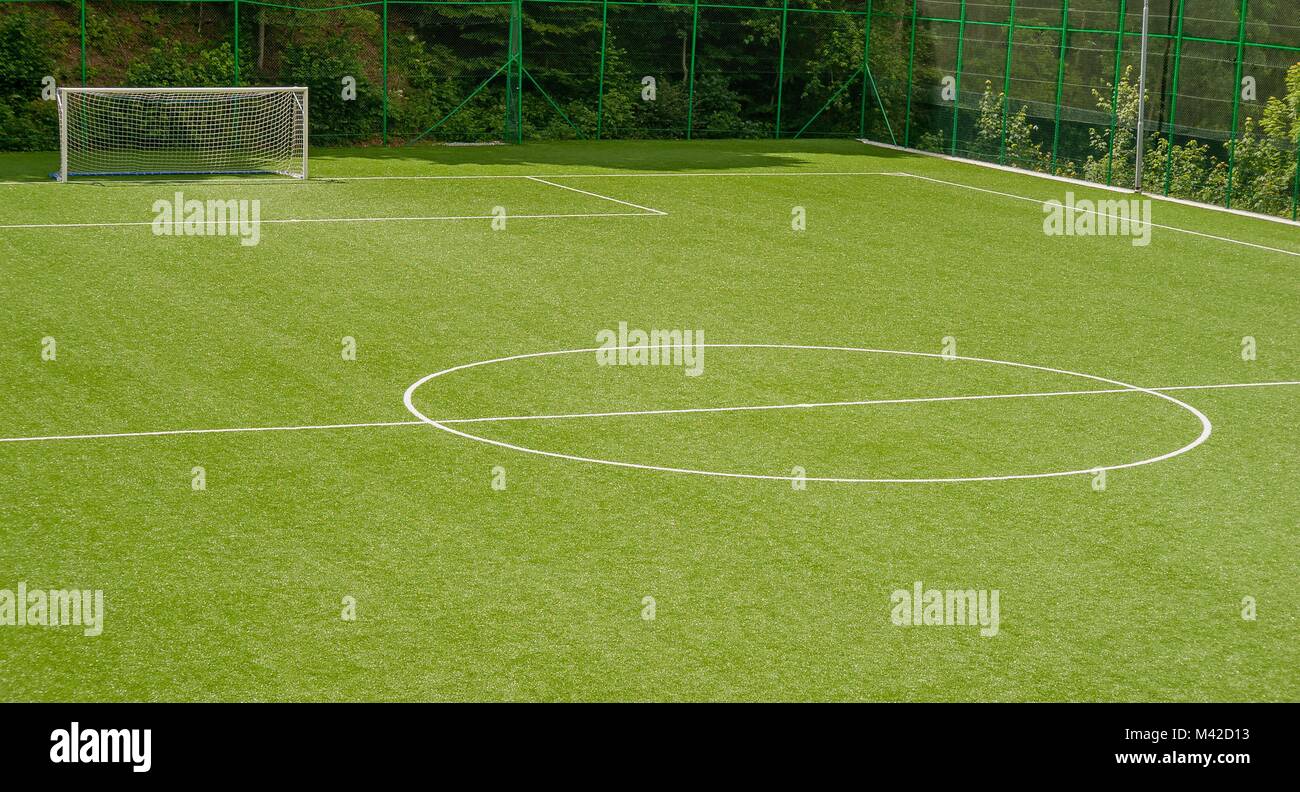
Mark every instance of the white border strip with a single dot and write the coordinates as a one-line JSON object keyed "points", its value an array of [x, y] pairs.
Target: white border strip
{"points": [[1099, 214], [1080, 182]]}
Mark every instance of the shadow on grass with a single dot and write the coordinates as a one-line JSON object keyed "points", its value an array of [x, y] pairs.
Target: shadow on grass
{"points": [[446, 160], [614, 155]]}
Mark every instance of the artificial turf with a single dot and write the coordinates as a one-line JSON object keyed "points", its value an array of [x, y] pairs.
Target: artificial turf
{"points": [[536, 591]]}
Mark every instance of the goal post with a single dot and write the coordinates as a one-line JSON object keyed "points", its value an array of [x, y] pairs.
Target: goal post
{"points": [[182, 131]]}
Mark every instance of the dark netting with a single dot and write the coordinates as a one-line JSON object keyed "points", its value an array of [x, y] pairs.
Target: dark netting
{"points": [[737, 72], [562, 84], [982, 96], [446, 71], [336, 54], [1048, 85], [934, 85], [142, 44], [1265, 151], [647, 70], [40, 49], [823, 75]]}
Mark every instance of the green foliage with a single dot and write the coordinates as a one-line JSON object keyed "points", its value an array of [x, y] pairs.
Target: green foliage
{"points": [[321, 64], [1009, 138], [172, 63], [29, 45], [1262, 165], [439, 57]]}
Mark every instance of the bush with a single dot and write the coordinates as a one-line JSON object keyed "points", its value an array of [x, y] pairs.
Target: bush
{"points": [[29, 45]]}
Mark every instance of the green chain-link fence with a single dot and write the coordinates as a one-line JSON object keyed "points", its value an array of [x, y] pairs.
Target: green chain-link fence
{"points": [[1049, 85]]}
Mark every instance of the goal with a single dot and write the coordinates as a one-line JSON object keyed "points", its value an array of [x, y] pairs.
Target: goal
{"points": [[173, 131]]}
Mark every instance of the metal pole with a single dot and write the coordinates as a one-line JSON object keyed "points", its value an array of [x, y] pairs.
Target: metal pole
{"points": [[690, 94], [1173, 101], [236, 83], [83, 47], [515, 76], [384, 134], [1006, 84], [600, 95], [911, 65], [1114, 97], [1142, 97], [1236, 100], [866, 71], [1060, 83], [956, 100], [780, 69], [1295, 191]]}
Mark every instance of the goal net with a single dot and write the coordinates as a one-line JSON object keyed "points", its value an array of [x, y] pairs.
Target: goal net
{"points": [[165, 131]]}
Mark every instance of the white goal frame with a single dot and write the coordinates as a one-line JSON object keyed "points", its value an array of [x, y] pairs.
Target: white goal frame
{"points": [[294, 165]]}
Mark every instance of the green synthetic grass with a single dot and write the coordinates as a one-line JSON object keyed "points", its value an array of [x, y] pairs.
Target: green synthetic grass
{"points": [[762, 591]]}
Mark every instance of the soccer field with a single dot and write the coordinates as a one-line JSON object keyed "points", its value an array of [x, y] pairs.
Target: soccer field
{"points": [[370, 446]]}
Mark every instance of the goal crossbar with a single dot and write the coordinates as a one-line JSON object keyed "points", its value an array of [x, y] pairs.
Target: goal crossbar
{"points": [[182, 131]]}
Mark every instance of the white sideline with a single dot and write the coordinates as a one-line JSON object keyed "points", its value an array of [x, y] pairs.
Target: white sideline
{"points": [[306, 427], [646, 211], [291, 221], [1099, 214], [1082, 183]]}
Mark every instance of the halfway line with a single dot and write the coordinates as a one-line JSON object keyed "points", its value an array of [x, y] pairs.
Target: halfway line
{"points": [[805, 405]]}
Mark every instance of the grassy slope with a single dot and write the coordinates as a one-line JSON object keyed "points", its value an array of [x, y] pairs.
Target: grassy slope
{"points": [[535, 592]]}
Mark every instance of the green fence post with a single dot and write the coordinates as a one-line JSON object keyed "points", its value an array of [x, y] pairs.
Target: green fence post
{"points": [[956, 100], [384, 133], [1295, 191], [1114, 98], [866, 71], [690, 93], [911, 73], [600, 98], [1173, 101], [1236, 101], [83, 42], [515, 76], [1006, 84], [236, 43], [780, 69], [1060, 82]]}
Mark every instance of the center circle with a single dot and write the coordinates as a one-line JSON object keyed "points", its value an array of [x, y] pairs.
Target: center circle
{"points": [[1206, 426]]}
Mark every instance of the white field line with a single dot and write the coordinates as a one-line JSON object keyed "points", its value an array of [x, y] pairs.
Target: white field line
{"points": [[860, 403], [1082, 183], [1108, 216], [451, 177], [807, 405], [166, 432], [540, 180], [290, 221]]}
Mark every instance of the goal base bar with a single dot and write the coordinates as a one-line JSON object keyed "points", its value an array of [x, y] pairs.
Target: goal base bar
{"points": [[79, 174]]}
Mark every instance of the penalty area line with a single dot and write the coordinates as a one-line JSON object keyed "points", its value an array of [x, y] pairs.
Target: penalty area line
{"points": [[804, 405], [596, 195]]}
